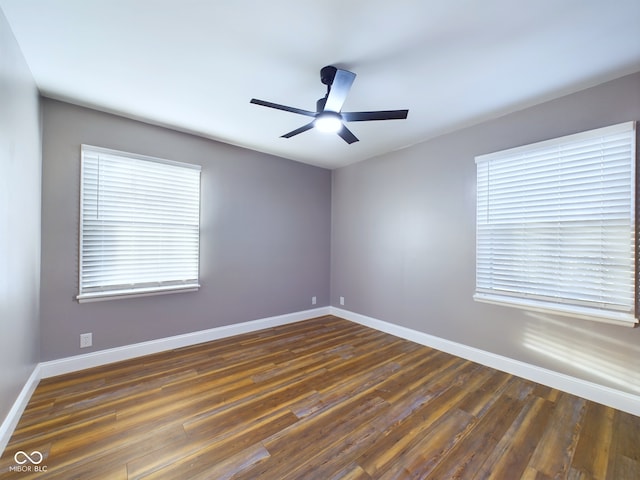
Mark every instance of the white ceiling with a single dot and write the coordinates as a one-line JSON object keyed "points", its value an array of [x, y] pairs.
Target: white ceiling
{"points": [[194, 65]]}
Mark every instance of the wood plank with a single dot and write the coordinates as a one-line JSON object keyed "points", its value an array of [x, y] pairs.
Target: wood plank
{"points": [[591, 457], [390, 448], [554, 453], [433, 446], [300, 448], [469, 454], [510, 457], [624, 458], [199, 456]]}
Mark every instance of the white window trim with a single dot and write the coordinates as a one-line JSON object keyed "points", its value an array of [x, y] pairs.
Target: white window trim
{"points": [[589, 312], [141, 289]]}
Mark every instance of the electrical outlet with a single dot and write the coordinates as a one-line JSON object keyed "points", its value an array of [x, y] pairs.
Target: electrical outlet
{"points": [[341, 300], [313, 300], [86, 340]]}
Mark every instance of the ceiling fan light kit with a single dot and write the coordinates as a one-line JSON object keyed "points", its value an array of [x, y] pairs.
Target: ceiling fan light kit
{"points": [[328, 116], [328, 122]]}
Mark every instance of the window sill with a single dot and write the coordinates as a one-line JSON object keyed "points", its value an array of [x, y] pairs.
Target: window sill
{"points": [[133, 293]]}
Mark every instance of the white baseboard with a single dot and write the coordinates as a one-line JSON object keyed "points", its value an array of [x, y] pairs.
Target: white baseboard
{"points": [[611, 397], [103, 357], [11, 420]]}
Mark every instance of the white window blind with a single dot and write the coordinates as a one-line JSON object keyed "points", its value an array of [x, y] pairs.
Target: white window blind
{"points": [[556, 225], [139, 225]]}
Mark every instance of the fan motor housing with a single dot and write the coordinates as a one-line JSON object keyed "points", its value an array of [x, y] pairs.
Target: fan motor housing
{"points": [[327, 74]]}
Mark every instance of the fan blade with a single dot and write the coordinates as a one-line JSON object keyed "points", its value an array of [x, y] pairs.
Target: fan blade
{"points": [[304, 128], [347, 135], [339, 90], [277, 106], [379, 115]]}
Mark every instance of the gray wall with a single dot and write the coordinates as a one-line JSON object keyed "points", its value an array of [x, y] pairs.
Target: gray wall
{"points": [[403, 242], [20, 171], [265, 235]]}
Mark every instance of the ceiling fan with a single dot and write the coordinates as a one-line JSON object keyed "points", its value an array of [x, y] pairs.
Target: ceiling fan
{"points": [[328, 116]]}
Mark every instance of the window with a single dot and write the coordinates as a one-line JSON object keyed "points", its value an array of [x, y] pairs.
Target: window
{"points": [[556, 226], [139, 225]]}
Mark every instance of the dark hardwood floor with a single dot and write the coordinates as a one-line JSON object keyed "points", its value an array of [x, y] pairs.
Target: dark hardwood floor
{"points": [[322, 399]]}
